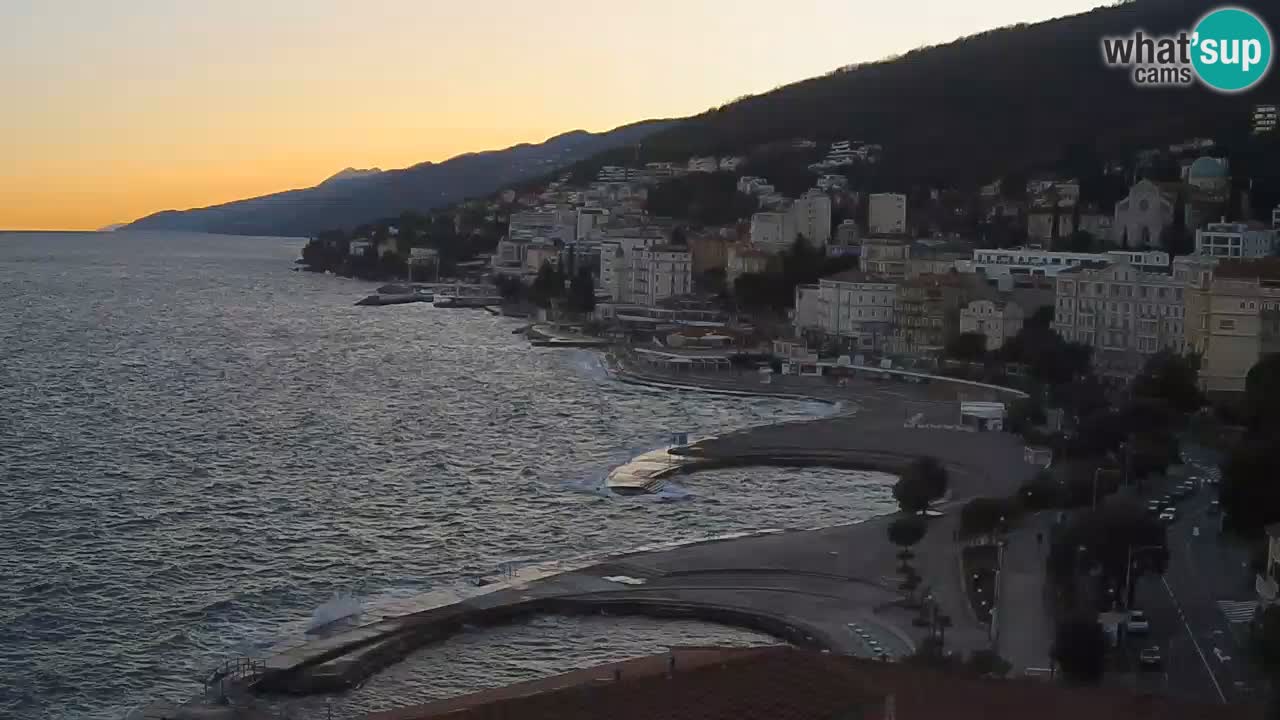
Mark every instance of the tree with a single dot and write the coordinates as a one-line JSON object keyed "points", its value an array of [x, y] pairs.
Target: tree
{"points": [[921, 482], [985, 516], [970, 347], [1249, 494], [988, 663], [1079, 648], [1024, 414], [1081, 241], [908, 530], [1120, 542], [1262, 392], [582, 291], [1172, 378], [547, 286]]}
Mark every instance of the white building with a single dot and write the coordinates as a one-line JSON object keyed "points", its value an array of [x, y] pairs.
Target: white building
{"points": [[1123, 313], [998, 321], [887, 214], [1032, 262], [832, 182], [806, 315], [552, 225], [1142, 216], [616, 249], [731, 162], [773, 231], [811, 217], [856, 309], [659, 272], [589, 220], [1235, 240]]}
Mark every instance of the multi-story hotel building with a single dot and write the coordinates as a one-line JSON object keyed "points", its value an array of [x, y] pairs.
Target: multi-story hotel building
{"points": [[1124, 313]]}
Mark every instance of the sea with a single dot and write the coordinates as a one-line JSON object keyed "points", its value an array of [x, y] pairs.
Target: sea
{"points": [[203, 450]]}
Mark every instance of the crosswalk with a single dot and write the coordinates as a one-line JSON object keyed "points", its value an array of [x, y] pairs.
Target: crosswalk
{"points": [[1238, 611]]}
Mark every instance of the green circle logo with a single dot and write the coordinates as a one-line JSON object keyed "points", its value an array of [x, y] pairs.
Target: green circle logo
{"points": [[1231, 50]]}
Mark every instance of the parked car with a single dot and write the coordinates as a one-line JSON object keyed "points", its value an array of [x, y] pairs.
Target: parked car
{"points": [[1138, 623], [1168, 516], [1150, 657]]}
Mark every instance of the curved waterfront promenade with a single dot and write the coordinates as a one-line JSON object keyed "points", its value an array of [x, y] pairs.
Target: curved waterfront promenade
{"points": [[832, 588]]}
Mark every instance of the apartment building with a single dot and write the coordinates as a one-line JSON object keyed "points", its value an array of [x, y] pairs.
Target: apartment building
{"points": [[658, 272], [856, 309], [1124, 313], [617, 248], [1240, 323], [1236, 240], [773, 231], [1275, 219], [811, 217], [926, 313], [887, 213], [886, 257], [996, 320]]}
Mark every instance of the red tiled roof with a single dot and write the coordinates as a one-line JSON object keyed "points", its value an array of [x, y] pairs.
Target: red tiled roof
{"points": [[780, 683]]}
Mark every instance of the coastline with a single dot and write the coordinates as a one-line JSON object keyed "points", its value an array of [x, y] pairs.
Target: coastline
{"points": [[785, 580]]}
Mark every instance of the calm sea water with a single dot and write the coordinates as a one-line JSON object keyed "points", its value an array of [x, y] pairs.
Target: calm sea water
{"points": [[199, 446]]}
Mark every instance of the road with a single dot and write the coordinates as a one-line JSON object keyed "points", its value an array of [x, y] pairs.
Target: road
{"points": [[1205, 655]]}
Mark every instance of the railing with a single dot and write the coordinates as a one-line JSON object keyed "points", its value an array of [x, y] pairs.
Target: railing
{"points": [[238, 674]]}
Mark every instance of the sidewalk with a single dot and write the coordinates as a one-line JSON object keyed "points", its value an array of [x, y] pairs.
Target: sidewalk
{"points": [[1025, 628]]}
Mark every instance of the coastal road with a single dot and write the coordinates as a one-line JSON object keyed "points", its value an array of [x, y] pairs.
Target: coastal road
{"points": [[1205, 653]]}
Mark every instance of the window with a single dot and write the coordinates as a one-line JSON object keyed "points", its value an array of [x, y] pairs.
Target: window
{"points": [[1226, 324]]}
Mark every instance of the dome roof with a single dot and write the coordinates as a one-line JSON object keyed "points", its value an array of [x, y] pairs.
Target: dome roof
{"points": [[1207, 167]]}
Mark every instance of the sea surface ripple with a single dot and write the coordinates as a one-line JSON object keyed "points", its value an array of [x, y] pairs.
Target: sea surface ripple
{"points": [[198, 447]]}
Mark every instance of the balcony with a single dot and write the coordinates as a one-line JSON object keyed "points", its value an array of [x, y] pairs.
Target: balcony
{"points": [[1266, 588]]}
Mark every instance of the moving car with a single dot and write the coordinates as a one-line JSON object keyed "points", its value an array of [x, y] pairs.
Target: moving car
{"points": [[1138, 623], [1215, 507], [1168, 515], [1150, 657]]}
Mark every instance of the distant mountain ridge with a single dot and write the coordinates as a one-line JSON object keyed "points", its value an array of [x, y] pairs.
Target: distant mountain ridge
{"points": [[353, 196]]}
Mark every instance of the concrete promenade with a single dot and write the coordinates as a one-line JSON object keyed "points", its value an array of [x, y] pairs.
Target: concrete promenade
{"points": [[833, 588]]}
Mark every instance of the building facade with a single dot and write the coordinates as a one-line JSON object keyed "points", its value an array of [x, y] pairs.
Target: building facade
{"points": [[1235, 240], [1013, 262], [1142, 216], [811, 217], [1122, 312], [996, 320], [1241, 322], [855, 309], [773, 231], [741, 259], [926, 313], [887, 214], [886, 257], [659, 272]]}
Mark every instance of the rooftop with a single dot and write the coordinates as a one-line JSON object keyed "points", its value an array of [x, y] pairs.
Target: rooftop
{"points": [[1258, 269], [855, 276]]}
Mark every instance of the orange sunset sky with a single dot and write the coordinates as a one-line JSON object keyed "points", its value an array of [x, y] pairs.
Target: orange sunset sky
{"points": [[112, 110]]}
